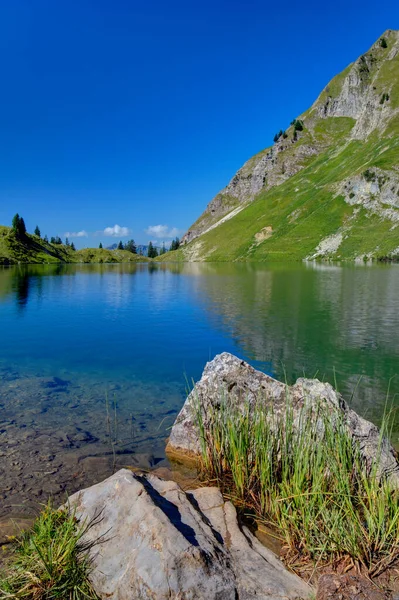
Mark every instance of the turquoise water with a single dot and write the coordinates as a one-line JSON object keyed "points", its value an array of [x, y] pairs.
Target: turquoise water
{"points": [[79, 342]]}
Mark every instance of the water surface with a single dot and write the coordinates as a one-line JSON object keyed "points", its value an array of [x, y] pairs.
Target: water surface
{"points": [[94, 359]]}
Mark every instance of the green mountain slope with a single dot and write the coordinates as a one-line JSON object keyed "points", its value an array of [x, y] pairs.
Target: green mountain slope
{"points": [[328, 188], [33, 250]]}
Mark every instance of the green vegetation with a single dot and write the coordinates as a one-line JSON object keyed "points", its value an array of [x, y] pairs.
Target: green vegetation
{"points": [[298, 125], [278, 135], [18, 226], [301, 193], [152, 252], [51, 561], [306, 209], [175, 245], [304, 477], [369, 175], [17, 246], [130, 246], [30, 249]]}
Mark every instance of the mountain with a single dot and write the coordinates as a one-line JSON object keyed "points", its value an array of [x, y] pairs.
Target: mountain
{"points": [[30, 249], [328, 187]]}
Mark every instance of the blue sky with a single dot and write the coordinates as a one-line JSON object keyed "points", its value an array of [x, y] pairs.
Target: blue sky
{"points": [[137, 113]]}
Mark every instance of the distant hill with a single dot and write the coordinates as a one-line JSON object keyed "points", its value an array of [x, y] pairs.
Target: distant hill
{"points": [[141, 248], [328, 187], [32, 249]]}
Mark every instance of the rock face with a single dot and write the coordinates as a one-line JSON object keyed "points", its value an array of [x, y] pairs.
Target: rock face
{"points": [[362, 95], [157, 542], [228, 375]]}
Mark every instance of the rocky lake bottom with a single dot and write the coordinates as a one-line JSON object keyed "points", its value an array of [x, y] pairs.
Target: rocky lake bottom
{"points": [[56, 437], [96, 360]]}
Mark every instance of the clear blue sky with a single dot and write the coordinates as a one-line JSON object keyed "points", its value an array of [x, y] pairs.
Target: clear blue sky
{"points": [[138, 113]]}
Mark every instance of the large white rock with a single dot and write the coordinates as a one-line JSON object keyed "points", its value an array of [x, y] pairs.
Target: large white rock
{"points": [[157, 542], [232, 379]]}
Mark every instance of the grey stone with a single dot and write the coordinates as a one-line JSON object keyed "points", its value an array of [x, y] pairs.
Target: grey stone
{"points": [[227, 375], [157, 542]]}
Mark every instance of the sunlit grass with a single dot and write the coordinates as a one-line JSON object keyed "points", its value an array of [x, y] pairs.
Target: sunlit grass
{"points": [[302, 473], [51, 561]]}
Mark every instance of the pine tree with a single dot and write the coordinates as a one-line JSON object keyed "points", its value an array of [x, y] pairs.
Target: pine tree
{"points": [[15, 222], [37, 231], [175, 244], [67, 242], [73, 246], [46, 238], [151, 252], [22, 227], [120, 245], [130, 246], [163, 249], [52, 240], [18, 225], [100, 245]]}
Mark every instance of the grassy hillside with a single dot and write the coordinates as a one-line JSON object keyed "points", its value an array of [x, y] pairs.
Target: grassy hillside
{"points": [[297, 215], [31, 249], [329, 189]]}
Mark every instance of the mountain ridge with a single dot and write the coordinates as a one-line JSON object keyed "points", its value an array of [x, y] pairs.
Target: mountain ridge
{"points": [[358, 108]]}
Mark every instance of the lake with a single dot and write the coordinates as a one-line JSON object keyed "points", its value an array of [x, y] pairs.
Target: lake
{"points": [[95, 360]]}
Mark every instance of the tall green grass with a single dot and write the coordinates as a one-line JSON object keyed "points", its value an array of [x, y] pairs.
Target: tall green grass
{"points": [[51, 561], [302, 473]]}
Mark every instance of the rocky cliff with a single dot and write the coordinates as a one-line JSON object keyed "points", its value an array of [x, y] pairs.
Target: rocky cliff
{"points": [[355, 112]]}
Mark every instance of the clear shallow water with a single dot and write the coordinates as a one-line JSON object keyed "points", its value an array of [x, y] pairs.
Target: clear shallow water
{"points": [[76, 337]]}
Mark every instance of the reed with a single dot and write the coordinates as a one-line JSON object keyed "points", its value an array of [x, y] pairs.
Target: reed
{"points": [[302, 473]]}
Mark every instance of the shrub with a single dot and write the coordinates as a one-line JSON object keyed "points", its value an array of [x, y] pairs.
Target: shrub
{"points": [[383, 43], [369, 175]]}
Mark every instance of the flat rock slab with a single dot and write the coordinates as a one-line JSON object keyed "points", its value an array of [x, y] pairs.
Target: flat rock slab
{"points": [[157, 542], [229, 379]]}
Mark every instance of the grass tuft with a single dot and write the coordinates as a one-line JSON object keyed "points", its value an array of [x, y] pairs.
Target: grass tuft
{"points": [[51, 561], [302, 473]]}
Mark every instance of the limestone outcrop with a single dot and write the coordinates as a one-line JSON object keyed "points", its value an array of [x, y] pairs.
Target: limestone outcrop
{"points": [[156, 542]]}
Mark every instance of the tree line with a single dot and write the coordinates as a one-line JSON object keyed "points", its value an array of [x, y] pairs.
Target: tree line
{"points": [[19, 228]]}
